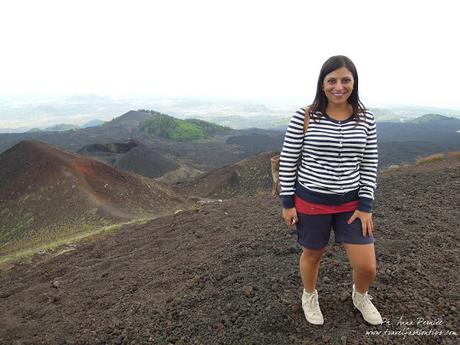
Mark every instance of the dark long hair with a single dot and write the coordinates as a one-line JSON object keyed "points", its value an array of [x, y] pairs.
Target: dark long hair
{"points": [[320, 102]]}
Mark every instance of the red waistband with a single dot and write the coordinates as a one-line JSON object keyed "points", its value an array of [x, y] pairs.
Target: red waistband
{"points": [[310, 208]]}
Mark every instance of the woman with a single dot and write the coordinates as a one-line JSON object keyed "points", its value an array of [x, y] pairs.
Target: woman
{"points": [[334, 184]]}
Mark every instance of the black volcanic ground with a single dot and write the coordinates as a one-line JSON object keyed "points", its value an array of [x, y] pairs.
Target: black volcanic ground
{"points": [[227, 273]]}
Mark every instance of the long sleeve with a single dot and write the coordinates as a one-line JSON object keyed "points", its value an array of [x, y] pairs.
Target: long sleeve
{"points": [[368, 168], [290, 154]]}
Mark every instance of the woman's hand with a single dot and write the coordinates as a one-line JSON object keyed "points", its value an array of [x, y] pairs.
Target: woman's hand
{"points": [[290, 216], [366, 222]]}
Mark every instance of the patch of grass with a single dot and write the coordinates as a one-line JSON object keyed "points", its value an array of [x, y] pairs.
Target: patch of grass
{"points": [[110, 228], [58, 245], [431, 158], [27, 253]]}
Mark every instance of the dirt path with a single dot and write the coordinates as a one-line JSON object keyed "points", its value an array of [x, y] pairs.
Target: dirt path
{"points": [[228, 274]]}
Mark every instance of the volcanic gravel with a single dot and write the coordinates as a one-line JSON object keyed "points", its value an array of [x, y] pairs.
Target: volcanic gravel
{"points": [[227, 273]]}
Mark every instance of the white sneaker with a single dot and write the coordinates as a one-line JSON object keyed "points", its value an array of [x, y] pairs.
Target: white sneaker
{"points": [[311, 308], [363, 303]]}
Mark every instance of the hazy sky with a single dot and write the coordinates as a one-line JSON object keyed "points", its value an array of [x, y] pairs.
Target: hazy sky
{"points": [[405, 51]]}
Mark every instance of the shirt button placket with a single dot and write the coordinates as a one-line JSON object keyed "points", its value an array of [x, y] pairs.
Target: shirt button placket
{"points": [[340, 139], [340, 150]]}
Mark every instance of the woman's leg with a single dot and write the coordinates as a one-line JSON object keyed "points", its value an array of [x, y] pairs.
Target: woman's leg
{"points": [[309, 267], [362, 260]]}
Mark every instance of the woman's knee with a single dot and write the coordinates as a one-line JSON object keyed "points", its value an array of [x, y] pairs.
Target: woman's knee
{"points": [[312, 256], [366, 269]]}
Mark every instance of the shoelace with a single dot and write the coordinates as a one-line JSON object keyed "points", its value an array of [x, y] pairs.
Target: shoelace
{"points": [[314, 305], [367, 304]]}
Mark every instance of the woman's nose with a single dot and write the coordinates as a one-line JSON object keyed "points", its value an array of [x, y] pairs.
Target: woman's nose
{"points": [[339, 85]]}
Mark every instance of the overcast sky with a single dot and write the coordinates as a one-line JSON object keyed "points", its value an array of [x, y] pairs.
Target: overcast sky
{"points": [[406, 52]]}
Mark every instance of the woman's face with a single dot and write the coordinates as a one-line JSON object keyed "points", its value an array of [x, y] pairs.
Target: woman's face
{"points": [[338, 85]]}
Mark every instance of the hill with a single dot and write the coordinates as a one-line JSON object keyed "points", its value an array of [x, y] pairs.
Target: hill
{"points": [[191, 156], [93, 123], [428, 128], [61, 127], [398, 143], [175, 129], [48, 195], [227, 273], [129, 120], [131, 156], [34, 130], [432, 118], [245, 178], [108, 148], [56, 128], [146, 162]]}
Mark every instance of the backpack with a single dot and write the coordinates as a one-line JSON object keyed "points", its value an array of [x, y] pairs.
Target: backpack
{"points": [[275, 160]]}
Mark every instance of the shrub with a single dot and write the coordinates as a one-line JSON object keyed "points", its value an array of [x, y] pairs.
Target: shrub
{"points": [[187, 131], [208, 127]]}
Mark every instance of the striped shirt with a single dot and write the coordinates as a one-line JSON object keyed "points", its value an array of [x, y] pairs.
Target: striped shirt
{"points": [[338, 163]]}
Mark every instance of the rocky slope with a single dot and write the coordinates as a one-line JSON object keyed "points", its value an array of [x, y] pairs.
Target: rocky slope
{"points": [[48, 194], [131, 156], [227, 273], [244, 178]]}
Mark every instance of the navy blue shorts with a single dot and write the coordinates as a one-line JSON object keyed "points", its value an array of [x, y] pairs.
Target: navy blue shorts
{"points": [[313, 231]]}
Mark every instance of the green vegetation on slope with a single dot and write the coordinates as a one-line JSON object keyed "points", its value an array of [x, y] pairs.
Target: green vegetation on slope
{"points": [[209, 128], [178, 130], [170, 128]]}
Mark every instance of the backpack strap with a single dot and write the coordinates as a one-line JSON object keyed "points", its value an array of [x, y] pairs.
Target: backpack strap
{"points": [[306, 119], [275, 160]]}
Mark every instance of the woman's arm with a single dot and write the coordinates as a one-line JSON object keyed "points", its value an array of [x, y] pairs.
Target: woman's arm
{"points": [[368, 167], [290, 154]]}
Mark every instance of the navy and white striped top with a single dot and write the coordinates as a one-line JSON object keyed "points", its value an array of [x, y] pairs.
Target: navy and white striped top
{"points": [[338, 163]]}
